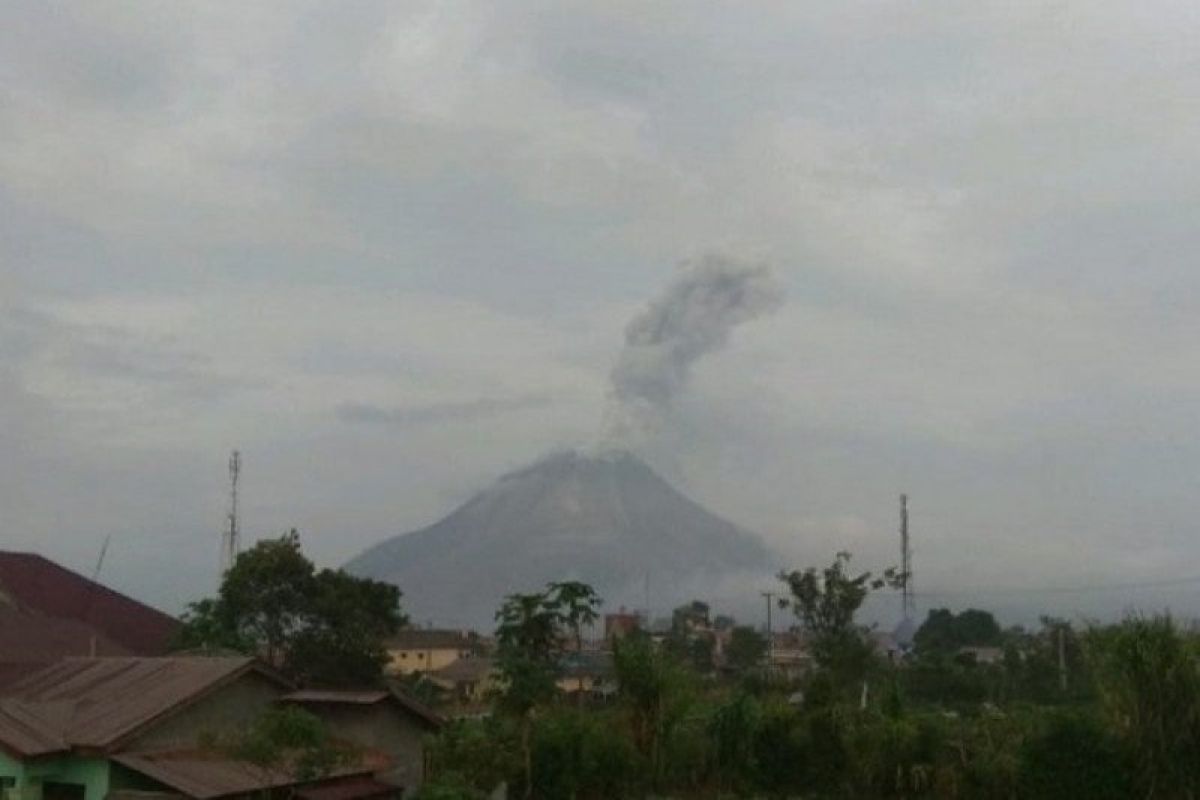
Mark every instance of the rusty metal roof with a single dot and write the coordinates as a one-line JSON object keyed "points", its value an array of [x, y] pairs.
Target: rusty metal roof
{"points": [[98, 702], [26, 734], [33, 583], [27, 636], [205, 775]]}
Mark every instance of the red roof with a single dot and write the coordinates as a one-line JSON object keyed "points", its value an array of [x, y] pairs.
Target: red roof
{"points": [[36, 584], [26, 637]]}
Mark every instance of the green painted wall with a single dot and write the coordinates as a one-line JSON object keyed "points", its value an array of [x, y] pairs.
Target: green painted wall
{"points": [[90, 773]]}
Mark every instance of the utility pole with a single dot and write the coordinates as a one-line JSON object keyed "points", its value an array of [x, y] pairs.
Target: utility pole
{"points": [[770, 598]]}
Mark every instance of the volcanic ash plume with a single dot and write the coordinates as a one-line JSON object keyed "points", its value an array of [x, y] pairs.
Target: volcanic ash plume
{"points": [[692, 318]]}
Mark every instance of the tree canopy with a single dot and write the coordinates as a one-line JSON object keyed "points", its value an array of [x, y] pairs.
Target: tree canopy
{"points": [[324, 627]]}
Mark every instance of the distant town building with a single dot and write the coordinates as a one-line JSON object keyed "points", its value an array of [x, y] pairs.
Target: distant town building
{"points": [[426, 650], [620, 625]]}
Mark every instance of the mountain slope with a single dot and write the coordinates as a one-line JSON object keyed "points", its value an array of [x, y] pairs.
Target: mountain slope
{"points": [[609, 520]]}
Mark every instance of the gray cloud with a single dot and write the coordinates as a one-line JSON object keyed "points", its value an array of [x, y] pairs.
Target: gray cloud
{"points": [[466, 411], [216, 225]]}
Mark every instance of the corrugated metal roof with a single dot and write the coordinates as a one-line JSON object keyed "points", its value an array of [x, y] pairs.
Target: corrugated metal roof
{"points": [[34, 583], [204, 775], [25, 734], [323, 696], [96, 702], [319, 697], [348, 789], [466, 669]]}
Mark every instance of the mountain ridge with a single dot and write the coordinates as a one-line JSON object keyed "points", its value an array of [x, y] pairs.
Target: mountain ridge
{"points": [[604, 518]]}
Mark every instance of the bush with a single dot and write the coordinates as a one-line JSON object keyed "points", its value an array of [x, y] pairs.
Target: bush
{"points": [[1074, 756]]}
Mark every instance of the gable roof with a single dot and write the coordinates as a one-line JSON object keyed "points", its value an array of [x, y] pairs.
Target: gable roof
{"points": [[430, 639], [97, 703], [317, 697], [35, 584]]}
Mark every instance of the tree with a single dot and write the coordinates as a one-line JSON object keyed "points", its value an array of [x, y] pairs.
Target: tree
{"points": [[1148, 680], [825, 603], [654, 689], [348, 620], [530, 642], [324, 628], [945, 632], [746, 648], [291, 738]]}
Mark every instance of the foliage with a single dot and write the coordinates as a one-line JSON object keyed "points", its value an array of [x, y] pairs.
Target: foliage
{"points": [[826, 603], [473, 756], [1150, 687], [655, 691], [531, 636], [945, 632], [746, 649], [580, 754], [324, 628], [1074, 755], [292, 738]]}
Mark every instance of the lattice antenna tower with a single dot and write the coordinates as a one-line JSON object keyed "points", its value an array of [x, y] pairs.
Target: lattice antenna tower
{"points": [[232, 533], [908, 605]]}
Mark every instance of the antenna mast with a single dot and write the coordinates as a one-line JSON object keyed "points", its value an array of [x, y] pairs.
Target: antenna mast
{"points": [[906, 585], [229, 543]]}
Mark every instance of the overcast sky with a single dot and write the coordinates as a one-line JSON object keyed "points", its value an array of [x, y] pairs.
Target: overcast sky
{"points": [[388, 250]]}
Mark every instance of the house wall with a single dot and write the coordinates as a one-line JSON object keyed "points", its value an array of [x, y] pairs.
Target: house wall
{"points": [[380, 726], [227, 711], [404, 661], [90, 773]]}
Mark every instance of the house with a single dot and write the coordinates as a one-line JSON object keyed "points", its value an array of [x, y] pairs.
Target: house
{"points": [[981, 655], [384, 720], [468, 682], [91, 728], [789, 655], [37, 586], [585, 672], [30, 642], [426, 650], [620, 625]]}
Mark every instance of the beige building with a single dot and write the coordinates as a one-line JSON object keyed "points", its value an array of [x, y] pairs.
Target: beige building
{"points": [[426, 650]]}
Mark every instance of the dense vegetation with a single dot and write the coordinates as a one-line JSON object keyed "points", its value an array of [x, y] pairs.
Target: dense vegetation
{"points": [[972, 711]]}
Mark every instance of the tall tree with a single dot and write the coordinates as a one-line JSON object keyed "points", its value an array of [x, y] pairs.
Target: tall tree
{"points": [[826, 603], [325, 628], [531, 636]]}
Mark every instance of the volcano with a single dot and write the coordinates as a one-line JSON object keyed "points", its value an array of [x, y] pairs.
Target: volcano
{"points": [[609, 520]]}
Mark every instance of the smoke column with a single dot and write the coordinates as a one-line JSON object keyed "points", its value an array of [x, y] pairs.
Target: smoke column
{"points": [[692, 318]]}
